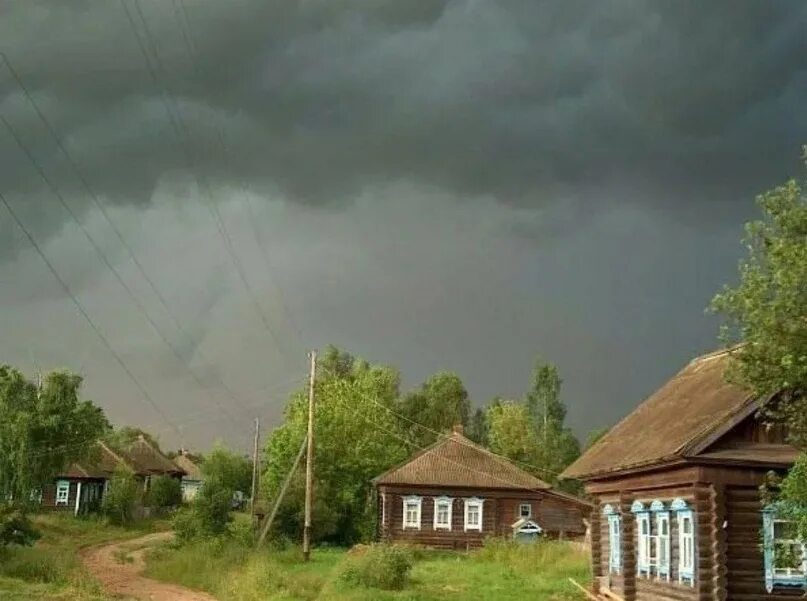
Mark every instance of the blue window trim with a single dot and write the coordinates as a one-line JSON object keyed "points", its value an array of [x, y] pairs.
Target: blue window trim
{"points": [[614, 543], [773, 580], [664, 570], [686, 576], [642, 514]]}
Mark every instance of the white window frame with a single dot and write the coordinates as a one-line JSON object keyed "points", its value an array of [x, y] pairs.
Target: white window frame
{"points": [[614, 544], [383, 509], [780, 577], [474, 503], [62, 496], [686, 547], [448, 503], [643, 542], [418, 502], [521, 510], [663, 545]]}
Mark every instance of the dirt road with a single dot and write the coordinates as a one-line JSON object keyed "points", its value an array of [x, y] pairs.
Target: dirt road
{"points": [[118, 567]]}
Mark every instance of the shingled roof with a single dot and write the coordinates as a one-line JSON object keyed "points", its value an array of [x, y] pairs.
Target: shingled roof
{"points": [[102, 465], [146, 460], [455, 461], [186, 464], [677, 421]]}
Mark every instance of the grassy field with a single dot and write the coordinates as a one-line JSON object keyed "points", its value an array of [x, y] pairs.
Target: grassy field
{"points": [[51, 569], [504, 572]]}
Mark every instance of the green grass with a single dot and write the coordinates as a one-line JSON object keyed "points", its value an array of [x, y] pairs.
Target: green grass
{"points": [[501, 571], [51, 570]]}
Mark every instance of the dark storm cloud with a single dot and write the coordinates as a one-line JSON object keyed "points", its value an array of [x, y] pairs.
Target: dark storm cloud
{"points": [[438, 184], [524, 101]]}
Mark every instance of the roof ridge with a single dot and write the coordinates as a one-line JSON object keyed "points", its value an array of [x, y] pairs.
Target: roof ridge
{"points": [[499, 458]]}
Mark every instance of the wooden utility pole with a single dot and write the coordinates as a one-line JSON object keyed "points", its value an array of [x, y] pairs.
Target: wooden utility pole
{"points": [[309, 459], [268, 523], [255, 469]]}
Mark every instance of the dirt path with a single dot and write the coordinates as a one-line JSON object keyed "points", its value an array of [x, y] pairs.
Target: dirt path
{"points": [[122, 577]]}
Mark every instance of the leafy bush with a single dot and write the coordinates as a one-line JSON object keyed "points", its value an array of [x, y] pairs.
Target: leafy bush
{"points": [[15, 529], [164, 492], [120, 498], [379, 566], [208, 516]]}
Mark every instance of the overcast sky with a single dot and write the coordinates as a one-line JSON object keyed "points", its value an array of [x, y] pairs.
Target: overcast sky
{"points": [[460, 185]]}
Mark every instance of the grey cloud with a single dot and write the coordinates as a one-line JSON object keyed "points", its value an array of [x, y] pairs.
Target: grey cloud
{"points": [[520, 100]]}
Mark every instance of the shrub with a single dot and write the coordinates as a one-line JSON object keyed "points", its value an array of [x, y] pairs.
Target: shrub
{"points": [[119, 500], [164, 492], [15, 529], [379, 566], [208, 516]]}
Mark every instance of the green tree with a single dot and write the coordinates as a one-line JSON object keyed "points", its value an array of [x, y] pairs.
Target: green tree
{"points": [[439, 404], [164, 492], [120, 497], [357, 438], [478, 428], [766, 313], [121, 438], [43, 429], [594, 436], [227, 469], [558, 445], [511, 433]]}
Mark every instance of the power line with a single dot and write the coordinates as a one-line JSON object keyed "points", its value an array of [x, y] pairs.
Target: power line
{"points": [[179, 126], [426, 448], [141, 308], [442, 434], [100, 206], [86, 315], [184, 22]]}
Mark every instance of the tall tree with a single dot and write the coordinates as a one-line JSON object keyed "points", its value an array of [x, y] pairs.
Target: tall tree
{"points": [[43, 429], [478, 427], [767, 313], [558, 444], [440, 403], [511, 433], [357, 438]]}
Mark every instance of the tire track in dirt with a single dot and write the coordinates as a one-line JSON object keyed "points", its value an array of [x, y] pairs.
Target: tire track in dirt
{"points": [[125, 579]]}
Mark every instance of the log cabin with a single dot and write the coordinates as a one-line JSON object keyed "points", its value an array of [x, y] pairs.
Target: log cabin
{"points": [[678, 514], [455, 493], [81, 487]]}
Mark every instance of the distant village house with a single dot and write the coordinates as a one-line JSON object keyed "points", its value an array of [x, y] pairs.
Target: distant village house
{"points": [[455, 494], [678, 514], [82, 486], [192, 477]]}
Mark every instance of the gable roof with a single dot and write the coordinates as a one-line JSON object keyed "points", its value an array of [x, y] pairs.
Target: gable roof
{"points": [[187, 465], [455, 461], [146, 460], [677, 421], [103, 465]]}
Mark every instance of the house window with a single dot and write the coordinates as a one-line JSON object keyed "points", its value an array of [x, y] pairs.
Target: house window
{"points": [[411, 512], [686, 542], [785, 553], [442, 513], [614, 540], [383, 509], [662, 546], [62, 492], [525, 510], [643, 559], [473, 514]]}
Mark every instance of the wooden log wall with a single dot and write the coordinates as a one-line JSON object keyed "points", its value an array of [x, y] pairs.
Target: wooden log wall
{"points": [[745, 562], [628, 548]]}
